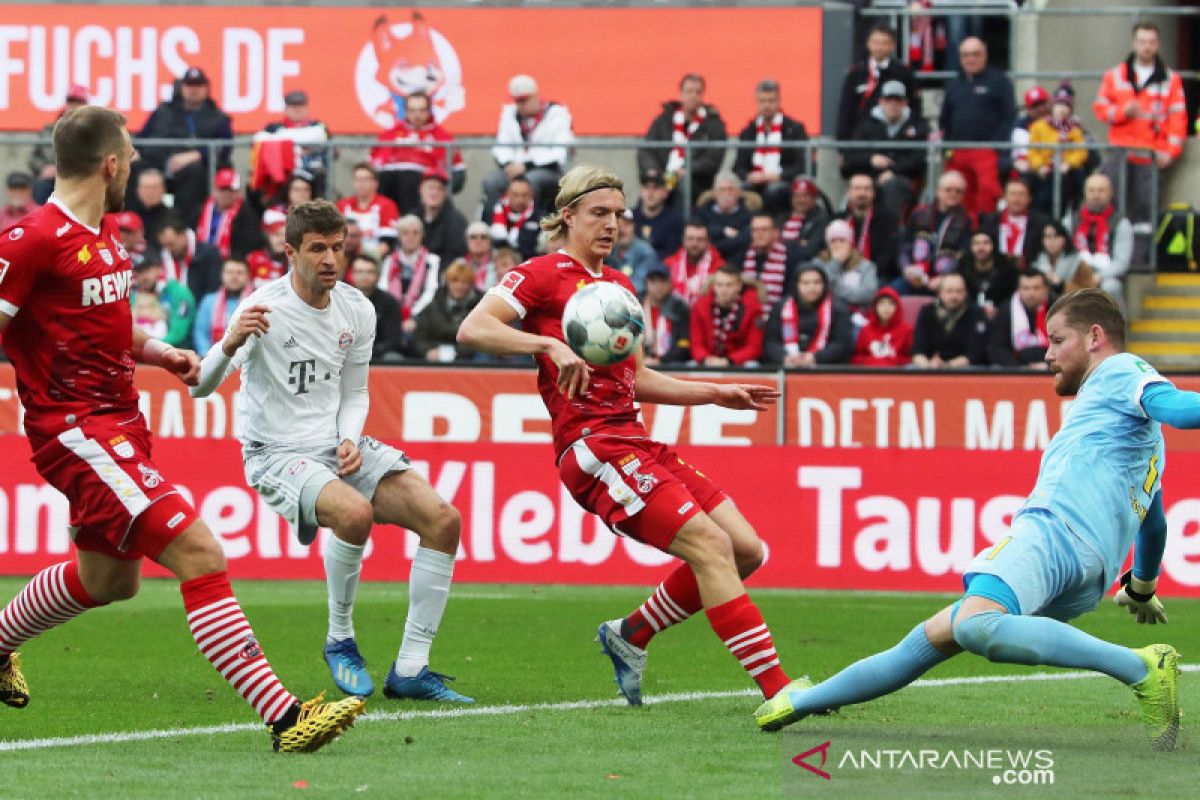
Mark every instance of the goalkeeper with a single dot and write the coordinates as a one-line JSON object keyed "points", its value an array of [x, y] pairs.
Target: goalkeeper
{"points": [[1099, 487]]}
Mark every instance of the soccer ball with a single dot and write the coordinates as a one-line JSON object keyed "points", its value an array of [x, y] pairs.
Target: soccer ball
{"points": [[603, 323]]}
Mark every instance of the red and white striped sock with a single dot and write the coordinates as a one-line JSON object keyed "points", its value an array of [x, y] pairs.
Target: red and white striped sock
{"points": [[675, 599], [226, 640], [740, 625], [54, 596]]}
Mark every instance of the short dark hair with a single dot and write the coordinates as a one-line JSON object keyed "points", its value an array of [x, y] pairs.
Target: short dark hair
{"points": [[696, 222], [764, 215], [883, 28], [1146, 25], [520, 179], [173, 220], [368, 166], [1034, 273], [84, 137], [314, 216], [1087, 307], [367, 257], [730, 269], [693, 76]]}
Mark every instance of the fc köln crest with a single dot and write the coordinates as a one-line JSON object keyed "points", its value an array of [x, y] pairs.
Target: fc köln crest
{"points": [[150, 477], [105, 253], [121, 446]]}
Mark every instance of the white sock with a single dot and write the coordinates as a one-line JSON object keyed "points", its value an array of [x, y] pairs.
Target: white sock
{"points": [[343, 565], [428, 591]]}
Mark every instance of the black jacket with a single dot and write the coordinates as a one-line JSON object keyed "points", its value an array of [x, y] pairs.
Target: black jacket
{"points": [[446, 234], [855, 103], [996, 286], [952, 236], [664, 231], [873, 128], [838, 347], [204, 273], [172, 121], [979, 108], [438, 322], [388, 321], [1000, 346], [791, 159], [968, 336], [679, 323], [884, 240], [811, 240], [719, 223], [1031, 248], [706, 162]]}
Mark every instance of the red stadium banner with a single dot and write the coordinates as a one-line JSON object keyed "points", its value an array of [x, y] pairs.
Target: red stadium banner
{"points": [[611, 66], [904, 520]]}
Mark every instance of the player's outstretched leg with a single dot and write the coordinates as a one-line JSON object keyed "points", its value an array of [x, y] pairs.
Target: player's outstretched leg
{"points": [[407, 499], [987, 629], [867, 679], [54, 596], [225, 638], [350, 516]]}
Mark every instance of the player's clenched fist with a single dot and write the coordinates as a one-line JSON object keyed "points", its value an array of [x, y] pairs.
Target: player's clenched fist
{"points": [[349, 458], [250, 321], [183, 363]]}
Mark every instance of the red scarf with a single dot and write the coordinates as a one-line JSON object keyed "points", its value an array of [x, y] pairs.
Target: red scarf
{"points": [[862, 232], [791, 227], [395, 278], [725, 322], [772, 273], [1092, 233], [220, 317], [660, 341], [1012, 233], [681, 134], [507, 224], [768, 137], [178, 270], [224, 236], [529, 123], [1022, 335], [791, 326], [689, 284], [485, 272]]}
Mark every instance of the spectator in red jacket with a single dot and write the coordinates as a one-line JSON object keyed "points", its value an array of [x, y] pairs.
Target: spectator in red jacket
{"points": [[886, 339], [725, 328], [416, 146], [375, 214], [692, 265]]}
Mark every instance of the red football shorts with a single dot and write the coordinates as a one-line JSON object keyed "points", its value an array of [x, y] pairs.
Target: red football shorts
{"points": [[640, 488], [120, 504]]}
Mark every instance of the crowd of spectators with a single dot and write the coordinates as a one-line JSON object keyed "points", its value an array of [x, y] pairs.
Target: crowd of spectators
{"points": [[762, 268]]}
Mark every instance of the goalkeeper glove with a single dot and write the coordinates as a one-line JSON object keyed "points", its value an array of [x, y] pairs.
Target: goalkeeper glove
{"points": [[1138, 596]]}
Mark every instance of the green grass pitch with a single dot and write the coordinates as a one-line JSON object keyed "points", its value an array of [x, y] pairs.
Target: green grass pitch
{"points": [[547, 723]]}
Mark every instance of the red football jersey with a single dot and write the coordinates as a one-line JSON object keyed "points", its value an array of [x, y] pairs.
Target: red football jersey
{"points": [[539, 290], [377, 221], [66, 287]]}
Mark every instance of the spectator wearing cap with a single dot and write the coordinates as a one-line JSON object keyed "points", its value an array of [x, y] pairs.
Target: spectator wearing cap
{"points": [[445, 225], [189, 115], [375, 214], [389, 337], [803, 228], [935, 238], [864, 81], [133, 235], [727, 216], [875, 229], [1037, 106], [1061, 127], [41, 158], [694, 263], [852, 277], [1016, 229], [809, 326], [654, 219], [311, 155], [725, 323], [215, 310], [481, 256], [686, 120], [668, 320], [193, 263], [769, 263], [978, 107], [227, 221], [163, 307], [514, 219], [271, 262], [415, 147], [897, 171], [774, 162], [950, 332], [150, 201], [533, 139], [630, 255], [18, 198]]}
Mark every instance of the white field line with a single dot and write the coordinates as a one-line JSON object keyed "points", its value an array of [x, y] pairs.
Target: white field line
{"points": [[502, 710]]}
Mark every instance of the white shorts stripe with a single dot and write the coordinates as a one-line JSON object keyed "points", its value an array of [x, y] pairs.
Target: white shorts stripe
{"points": [[118, 480], [608, 475], [7, 307]]}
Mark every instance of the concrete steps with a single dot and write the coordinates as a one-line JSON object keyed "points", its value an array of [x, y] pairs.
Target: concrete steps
{"points": [[1165, 324]]}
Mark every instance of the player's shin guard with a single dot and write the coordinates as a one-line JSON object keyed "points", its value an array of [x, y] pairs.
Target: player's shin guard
{"points": [[675, 599], [1048, 642], [54, 596], [740, 625], [226, 640]]}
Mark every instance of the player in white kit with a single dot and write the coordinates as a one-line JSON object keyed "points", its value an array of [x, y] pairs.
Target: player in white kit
{"points": [[302, 343]]}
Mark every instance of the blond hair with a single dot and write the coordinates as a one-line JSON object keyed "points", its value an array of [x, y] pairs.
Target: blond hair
{"points": [[578, 181], [458, 269]]}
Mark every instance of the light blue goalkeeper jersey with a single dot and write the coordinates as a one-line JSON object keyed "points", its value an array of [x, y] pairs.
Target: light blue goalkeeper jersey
{"points": [[1102, 469]]}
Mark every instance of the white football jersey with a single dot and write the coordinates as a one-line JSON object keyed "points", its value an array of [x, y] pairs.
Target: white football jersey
{"points": [[291, 375]]}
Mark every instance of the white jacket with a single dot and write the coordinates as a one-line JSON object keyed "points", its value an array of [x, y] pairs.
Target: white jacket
{"points": [[555, 128]]}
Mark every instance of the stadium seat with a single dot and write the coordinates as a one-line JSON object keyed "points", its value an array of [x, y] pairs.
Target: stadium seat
{"points": [[912, 305]]}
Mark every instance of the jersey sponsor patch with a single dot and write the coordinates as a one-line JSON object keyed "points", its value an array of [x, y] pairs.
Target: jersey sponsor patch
{"points": [[174, 521], [686, 507], [512, 279], [629, 464], [121, 446]]}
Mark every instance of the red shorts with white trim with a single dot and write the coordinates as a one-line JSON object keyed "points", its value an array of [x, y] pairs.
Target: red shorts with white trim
{"points": [[120, 504], [640, 488]]}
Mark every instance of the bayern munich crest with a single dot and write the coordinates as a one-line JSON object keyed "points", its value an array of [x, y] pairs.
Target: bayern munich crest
{"points": [[345, 340]]}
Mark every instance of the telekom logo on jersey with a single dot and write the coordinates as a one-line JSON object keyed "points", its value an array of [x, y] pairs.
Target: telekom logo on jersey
{"points": [[111, 288]]}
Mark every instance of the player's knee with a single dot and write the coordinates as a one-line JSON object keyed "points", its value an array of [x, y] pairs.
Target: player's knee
{"points": [[748, 556], [115, 588], [354, 523], [194, 553], [711, 548], [447, 527], [975, 633]]}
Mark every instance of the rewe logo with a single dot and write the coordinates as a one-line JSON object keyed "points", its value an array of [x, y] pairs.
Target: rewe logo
{"points": [[823, 749], [402, 58]]}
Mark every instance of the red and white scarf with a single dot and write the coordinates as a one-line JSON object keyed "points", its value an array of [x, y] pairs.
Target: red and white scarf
{"points": [[507, 224], [220, 317], [791, 228], [1092, 234], [725, 323], [414, 271], [772, 273], [681, 135], [529, 123], [485, 272], [862, 232], [768, 136], [660, 339], [790, 319], [1022, 335], [224, 235], [1012, 233], [689, 284], [177, 270]]}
